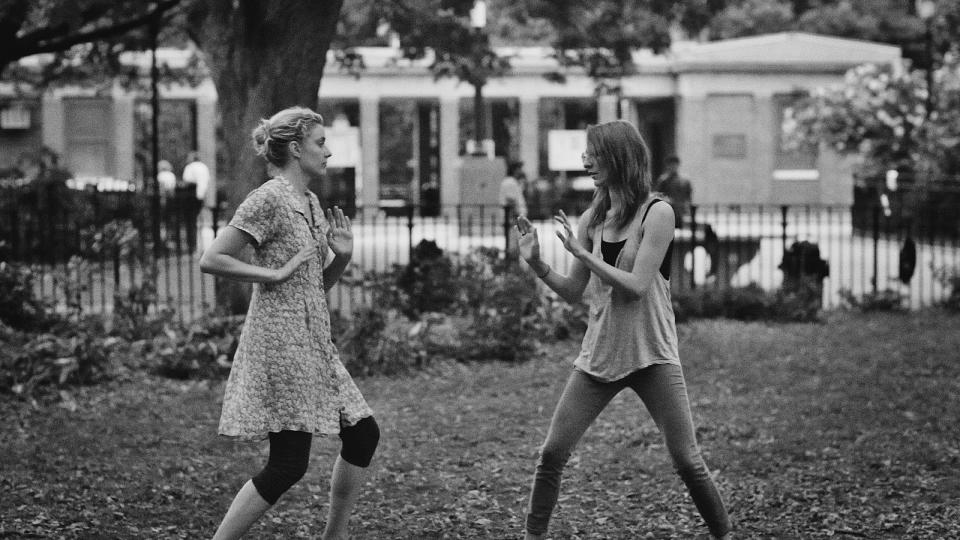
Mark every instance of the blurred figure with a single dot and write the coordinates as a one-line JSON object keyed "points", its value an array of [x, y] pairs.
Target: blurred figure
{"points": [[196, 181], [197, 175], [676, 188], [166, 180], [51, 183], [511, 190], [512, 201]]}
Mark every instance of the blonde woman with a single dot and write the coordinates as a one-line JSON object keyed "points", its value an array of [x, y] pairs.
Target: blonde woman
{"points": [[287, 382], [622, 251]]}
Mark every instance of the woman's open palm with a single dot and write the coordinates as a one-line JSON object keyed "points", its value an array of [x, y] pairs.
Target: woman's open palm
{"points": [[340, 235], [529, 242]]}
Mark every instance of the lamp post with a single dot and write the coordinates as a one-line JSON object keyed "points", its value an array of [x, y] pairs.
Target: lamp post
{"points": [[478, 21], [926, 9]]}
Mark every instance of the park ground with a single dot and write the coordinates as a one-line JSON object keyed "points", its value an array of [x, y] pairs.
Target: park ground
{"points": [[844, 429]]}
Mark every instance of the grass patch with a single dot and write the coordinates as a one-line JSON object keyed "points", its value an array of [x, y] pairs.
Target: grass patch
{"points": [[845, 429]]}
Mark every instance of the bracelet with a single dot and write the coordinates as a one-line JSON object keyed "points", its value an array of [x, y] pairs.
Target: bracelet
{"points": [[543, 275]]}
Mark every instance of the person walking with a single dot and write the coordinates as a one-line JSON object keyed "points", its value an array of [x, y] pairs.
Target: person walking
{"points": [[287, 382], [622, 251], [676, 188], [512, 201], [196, 179]]}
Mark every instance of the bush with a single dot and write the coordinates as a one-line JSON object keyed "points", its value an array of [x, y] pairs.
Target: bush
{"points": [[798, 303], [883, 300], [132, 319], [492, 309], [950, 279], [78, 353], [19, 306], [203, 349], [377, 341]]}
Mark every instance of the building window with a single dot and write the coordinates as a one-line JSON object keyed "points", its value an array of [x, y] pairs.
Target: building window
{"points": [[791, 163]]}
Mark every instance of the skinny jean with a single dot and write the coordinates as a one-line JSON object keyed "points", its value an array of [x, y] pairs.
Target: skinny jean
{"points": [[663, 391]]}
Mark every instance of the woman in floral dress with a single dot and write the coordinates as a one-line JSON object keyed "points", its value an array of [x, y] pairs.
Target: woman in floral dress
{"points": [[287, 382]]}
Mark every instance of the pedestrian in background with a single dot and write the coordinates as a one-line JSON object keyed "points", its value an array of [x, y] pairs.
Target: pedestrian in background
{"points": [[287, 382], [196, 180], [513, 203], [676, 188]]}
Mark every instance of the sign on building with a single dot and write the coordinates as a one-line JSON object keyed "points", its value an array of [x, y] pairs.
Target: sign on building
{"points": [[564, 148], [344, 145]]}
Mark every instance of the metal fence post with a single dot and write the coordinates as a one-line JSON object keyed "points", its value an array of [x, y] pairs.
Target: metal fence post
{"points": [[507, 211], [876, 243], [693, 247], [783, 226], [410, 211]]}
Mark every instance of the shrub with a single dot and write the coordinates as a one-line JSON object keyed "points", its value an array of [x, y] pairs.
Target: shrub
{"points": [[883, 300], [505, 318], [950, 279], [428, 282], [493, 309], [204, 349], [797, 303], [132, 318], [78, 354], [19, 306], [377, 341]]}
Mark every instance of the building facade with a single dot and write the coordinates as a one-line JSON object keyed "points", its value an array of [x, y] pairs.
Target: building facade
{"points": [[400, 135]]}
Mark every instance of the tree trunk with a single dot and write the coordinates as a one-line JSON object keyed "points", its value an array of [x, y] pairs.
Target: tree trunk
{"points": [[264, 55]]}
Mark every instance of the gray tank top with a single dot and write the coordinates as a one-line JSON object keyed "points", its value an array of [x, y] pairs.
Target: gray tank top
{"points": [[626, 332]]}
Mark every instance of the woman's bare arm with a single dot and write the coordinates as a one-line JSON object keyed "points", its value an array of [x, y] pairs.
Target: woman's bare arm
{"points": [[222, 259]]}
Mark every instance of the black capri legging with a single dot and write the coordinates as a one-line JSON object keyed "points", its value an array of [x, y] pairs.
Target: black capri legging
{"points": [[290, 455]]}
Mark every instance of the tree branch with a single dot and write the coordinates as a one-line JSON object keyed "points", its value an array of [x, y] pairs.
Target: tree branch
{"points": [[65, 42]]}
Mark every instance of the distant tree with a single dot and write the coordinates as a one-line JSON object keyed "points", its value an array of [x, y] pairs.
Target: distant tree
{"points": [[263, 55], [752, 17], [442, 29], [601, 35], [84, 38], [879, 114]]}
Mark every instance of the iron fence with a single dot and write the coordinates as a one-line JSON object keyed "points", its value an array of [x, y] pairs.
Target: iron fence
{"points": [[100, 245]]}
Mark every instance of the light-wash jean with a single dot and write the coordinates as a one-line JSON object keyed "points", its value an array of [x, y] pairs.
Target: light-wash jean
{"points": [[663, 391]]}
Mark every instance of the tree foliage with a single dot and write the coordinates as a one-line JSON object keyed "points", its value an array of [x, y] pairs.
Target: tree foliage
{"points": [[880, 114], [84, 39]]}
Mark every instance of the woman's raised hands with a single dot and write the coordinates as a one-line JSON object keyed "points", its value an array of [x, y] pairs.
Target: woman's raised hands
{"points": [[529, 242], [340, 235], [567, 236]]}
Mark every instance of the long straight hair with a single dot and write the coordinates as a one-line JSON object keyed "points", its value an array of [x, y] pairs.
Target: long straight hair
{"points": [[622, 151]]}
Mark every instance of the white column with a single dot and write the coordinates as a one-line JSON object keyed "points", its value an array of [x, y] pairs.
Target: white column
{"points": [[52, 123], [124, 135], [207, 141], [606, 108], [449, 153], [370, 153], [530, 135]]}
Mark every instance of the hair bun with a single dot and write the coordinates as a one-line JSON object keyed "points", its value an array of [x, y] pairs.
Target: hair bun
{"points": [[261, 137]]}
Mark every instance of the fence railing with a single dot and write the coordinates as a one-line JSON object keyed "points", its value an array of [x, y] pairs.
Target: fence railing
{"points": [[107, 244]]}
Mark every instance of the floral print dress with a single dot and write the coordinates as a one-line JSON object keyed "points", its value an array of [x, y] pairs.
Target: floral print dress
{"points": [[287, 373]]}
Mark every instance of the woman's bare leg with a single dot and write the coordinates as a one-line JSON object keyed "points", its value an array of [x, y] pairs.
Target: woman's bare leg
{"points": [[345, 483], [244, 511]]}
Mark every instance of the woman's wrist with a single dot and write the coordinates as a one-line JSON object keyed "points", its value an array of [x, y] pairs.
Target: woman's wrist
{"points": [[541, 269]]}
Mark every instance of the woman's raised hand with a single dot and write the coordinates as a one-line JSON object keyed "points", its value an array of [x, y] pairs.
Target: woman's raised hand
{"points": [[340, 235], [529, 242], [567, 236]]}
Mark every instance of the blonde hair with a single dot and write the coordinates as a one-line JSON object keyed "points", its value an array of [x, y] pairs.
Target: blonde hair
{"points": [[622, 150], [272, 138]]}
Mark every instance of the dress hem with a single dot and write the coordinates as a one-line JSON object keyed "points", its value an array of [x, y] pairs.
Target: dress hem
{"points": [[263, 435]]}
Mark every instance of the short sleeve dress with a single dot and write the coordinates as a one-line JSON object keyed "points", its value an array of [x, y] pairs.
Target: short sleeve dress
{"points": [[287, 373]]}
